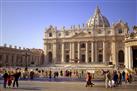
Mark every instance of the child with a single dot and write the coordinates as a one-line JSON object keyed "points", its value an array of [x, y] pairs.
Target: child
{"points": [[9, 80]]}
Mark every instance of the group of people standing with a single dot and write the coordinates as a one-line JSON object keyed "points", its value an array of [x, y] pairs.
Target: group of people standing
{"points": [[114, 79], [11, 78]]}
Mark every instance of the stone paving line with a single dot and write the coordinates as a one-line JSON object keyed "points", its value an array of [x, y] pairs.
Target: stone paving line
{"points": [[67, 86]]}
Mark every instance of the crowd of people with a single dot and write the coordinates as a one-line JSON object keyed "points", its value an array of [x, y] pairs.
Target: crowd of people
{"points": [[112, 78], [115, 78], [11, 76]]}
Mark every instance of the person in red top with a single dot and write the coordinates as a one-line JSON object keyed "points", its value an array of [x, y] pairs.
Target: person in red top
{"points": [[9, 80]]}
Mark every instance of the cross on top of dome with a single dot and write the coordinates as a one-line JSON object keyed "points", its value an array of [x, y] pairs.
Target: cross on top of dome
{"points": [[97, 11]]}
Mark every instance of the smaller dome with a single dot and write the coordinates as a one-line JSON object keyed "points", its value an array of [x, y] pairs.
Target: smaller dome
{"points": [[98, 20]]}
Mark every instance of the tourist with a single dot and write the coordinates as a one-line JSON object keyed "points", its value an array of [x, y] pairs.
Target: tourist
{"points": [[31, 75], [9, 80], [126, 77], [88, 80], [108, 80], [130, 78], [57, 73], [61, 73], [46, 73], [119, 78], [5, 76], [70, 73], [115, 78], [50, 74], [123, 75], [16, 78], [54, 74]]}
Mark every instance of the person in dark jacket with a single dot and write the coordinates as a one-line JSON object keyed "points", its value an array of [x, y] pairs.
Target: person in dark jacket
{"points": [[88, 80], [123, 75], [5, 76], [115, 78], [31, 75], [16, 78]]}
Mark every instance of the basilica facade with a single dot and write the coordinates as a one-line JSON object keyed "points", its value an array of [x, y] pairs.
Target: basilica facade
{"points": [[97, 42]]}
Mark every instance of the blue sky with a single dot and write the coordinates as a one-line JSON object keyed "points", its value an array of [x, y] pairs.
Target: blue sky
{"points": [[23, 21]]}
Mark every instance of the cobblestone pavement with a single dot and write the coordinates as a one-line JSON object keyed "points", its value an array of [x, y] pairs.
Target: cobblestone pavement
{"points": [[66, 86]]}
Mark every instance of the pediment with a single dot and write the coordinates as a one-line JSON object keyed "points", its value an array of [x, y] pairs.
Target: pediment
{"points": [[81, 35]]}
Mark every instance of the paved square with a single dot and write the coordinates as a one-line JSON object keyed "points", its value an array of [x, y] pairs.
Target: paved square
{"points": [[67, 86]]}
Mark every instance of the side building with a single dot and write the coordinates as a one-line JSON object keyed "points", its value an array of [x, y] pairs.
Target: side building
{"points": [[92, 44], [11, 57], [131, 49]]}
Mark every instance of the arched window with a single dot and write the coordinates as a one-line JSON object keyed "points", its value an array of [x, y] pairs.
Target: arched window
{"points": [[121, 57]]}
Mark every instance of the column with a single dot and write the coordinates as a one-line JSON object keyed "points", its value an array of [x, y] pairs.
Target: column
{"points": [[86, 52], [62, 53], [9, 60], [130, 58], [4, 61], [96, 54], [45, 54], [23, 60], [126, 57], [15, 60], [70, 52], [114, 55], [73, 51], [104, 52], [54, 52], [92, 52], [78, 51]]}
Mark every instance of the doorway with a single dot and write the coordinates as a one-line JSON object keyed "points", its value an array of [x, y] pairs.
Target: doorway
{"points": [[134, 57]]}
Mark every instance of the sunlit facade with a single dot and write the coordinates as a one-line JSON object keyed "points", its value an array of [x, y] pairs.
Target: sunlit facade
{"points": [[96, 43]]}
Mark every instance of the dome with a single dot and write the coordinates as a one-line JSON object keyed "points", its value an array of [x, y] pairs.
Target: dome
{"points": [[98, 20]]}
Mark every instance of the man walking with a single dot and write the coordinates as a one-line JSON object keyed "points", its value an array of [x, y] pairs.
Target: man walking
{"points": [[16, 78]]}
